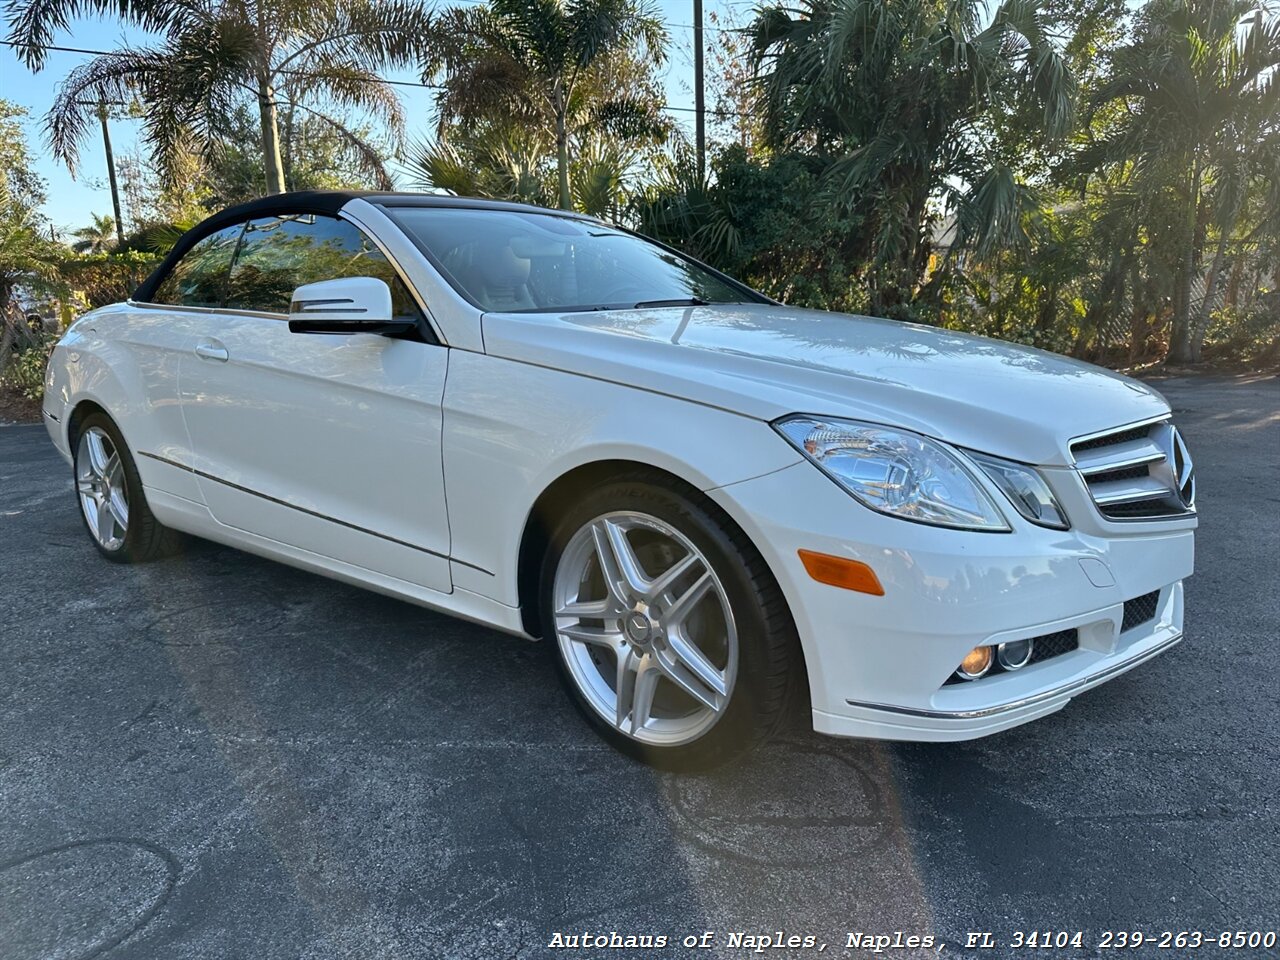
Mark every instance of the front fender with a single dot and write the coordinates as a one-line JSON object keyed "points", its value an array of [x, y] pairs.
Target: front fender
{"points": [[85, 367], [114, 359], [504, 447]]}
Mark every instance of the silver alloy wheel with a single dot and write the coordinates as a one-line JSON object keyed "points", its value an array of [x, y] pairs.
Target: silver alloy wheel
{"points": [[100, 482], [645, 628]]}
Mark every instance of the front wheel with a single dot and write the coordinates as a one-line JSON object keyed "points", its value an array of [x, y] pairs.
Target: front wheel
{"points": [[670, 633], [109, 492]]}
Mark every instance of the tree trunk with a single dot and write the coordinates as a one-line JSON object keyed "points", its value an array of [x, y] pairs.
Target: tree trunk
{"points": [[1137, 312], [287, 145], [271, 161], [1201, 324], [1180, 334], [7, 331], [562, 155], [111, 174], [1233, 284], [919, 243], [1097, 317]]}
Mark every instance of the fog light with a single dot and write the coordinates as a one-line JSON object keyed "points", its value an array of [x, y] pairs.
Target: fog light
{"points": [[1015, 654], [976, 664]]}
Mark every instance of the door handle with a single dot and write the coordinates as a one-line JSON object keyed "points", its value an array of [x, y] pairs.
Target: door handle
{"points": [[212, 350]]}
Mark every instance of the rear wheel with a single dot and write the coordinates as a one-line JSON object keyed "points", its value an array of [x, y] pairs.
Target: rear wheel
{"points": [[670, 633], [109, 492]]}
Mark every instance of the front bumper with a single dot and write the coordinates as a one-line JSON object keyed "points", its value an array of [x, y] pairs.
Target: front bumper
{"points": [[57, 433], [878, 665]]}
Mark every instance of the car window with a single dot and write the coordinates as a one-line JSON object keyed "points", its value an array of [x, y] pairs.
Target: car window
{"points": [[514, 261], [199, 279], [278, 254]]}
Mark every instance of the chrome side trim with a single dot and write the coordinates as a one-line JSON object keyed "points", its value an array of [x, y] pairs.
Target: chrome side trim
{"points": [[1066, 690], [347, 216], [310, 513], [206, 311]]}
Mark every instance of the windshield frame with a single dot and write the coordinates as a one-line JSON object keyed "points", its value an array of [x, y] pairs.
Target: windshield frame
{"points": [[391, 209]]}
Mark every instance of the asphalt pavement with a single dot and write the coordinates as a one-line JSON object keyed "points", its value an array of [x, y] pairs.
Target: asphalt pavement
{"points": [[216, 756]]}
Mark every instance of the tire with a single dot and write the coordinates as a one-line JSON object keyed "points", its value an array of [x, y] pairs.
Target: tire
{"points": [[110, 498], [605, 640]]}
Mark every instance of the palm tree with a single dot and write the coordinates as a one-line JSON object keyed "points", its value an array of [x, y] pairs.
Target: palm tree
{"points": [[213, 54], [550, 65], [511, 161], [897, 102], [1198, 129], [98, 236], [28, 261], [29, 257], [503, 161]]}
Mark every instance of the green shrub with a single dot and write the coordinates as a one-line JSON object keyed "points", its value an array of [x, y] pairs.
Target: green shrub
{"points": [[1245, 337], [25, 372], [107, 277]]}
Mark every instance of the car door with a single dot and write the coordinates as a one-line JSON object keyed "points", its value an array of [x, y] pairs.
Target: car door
{"points": [[329, 443], [155, 334]]}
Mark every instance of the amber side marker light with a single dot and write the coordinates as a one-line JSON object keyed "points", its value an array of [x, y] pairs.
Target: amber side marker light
{"points": [[841, 572]]}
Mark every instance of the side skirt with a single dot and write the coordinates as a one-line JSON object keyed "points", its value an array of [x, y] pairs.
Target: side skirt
{"points": [[194, 518]]}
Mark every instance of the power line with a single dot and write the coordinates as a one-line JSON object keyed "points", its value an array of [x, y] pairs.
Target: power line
{"points": [[415, 84], [50, 46]]}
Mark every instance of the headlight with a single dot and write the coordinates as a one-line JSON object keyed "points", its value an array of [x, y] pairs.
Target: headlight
{"points": [[1025, 489], [895, 472]]}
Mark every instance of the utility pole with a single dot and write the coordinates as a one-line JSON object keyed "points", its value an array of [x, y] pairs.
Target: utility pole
{"points": [[102, 104], [699, 96], [111, 173]]}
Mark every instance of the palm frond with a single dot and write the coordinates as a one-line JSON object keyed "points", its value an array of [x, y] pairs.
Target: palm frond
{"points": [[33, 24], [996, 214], [379, 34], [629, 119], [353, 85], [75, 107], [597, 26], [500, 161], [597, 179], [535, 32], [369, 157]]}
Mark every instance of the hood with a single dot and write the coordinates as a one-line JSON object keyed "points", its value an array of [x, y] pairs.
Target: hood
{"points": [[766, 361]]}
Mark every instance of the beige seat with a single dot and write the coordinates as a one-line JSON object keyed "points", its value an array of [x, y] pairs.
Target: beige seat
{"points": [[501, 279]]}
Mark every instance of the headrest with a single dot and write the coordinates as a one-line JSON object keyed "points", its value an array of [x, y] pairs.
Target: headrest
{"points": [[501, 267]]}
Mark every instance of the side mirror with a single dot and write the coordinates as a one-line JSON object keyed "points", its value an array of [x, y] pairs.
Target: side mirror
{"points": [[346, 305]]}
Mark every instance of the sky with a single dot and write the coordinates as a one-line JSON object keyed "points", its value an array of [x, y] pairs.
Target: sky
{"points": [[71, 200]]}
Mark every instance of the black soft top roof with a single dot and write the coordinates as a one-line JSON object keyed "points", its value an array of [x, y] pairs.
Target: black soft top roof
{"points": [[321, 202]]}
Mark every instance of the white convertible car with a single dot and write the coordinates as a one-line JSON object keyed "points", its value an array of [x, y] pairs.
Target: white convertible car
{"points": [[703, 501]]}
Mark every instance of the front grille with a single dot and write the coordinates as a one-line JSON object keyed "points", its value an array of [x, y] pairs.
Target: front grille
{"points": [[1044, 648], [1139, 610], [1138, 473], [1120, 436]]}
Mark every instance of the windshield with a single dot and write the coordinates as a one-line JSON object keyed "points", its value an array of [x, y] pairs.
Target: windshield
{"points": [[517, 262]]}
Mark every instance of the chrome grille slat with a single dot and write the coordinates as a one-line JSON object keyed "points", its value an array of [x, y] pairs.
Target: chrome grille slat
{"points": [[1128, 491], [1131, 453], [1137, 472]]}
